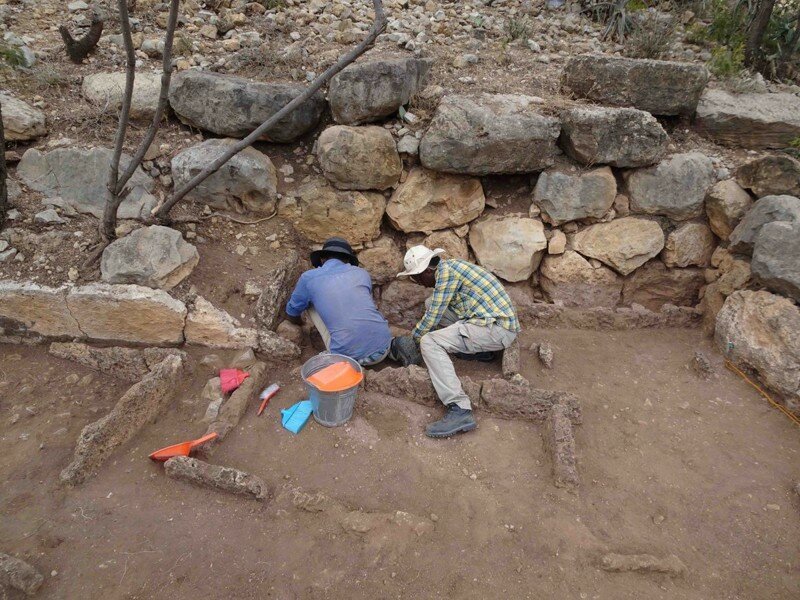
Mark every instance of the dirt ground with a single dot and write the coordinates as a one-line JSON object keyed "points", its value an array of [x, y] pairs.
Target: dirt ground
{"points": [[670, 464]]}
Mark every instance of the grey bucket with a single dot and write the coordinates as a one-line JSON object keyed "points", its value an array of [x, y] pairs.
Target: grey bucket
{"points": [[331, 409]]}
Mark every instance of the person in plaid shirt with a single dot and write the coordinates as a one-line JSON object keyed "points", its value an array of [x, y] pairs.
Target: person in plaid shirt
{"points": [[474, 315]]}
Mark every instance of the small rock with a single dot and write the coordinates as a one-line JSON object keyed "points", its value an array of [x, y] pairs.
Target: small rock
{"points": [[701, 365], [545, 352]]}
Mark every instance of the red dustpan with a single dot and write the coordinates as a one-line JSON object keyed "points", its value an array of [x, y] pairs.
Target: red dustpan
{"points": [[181, 449], [230, 379]]}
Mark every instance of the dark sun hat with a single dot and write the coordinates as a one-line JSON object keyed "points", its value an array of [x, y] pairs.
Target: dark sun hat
{"points": [[334, 247]]}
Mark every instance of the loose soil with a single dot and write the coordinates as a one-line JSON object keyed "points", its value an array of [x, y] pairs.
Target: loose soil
{"points": [[670, 464]]}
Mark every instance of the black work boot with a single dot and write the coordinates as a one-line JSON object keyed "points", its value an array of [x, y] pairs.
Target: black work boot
{"points": [[455, 421], [487, 356]]}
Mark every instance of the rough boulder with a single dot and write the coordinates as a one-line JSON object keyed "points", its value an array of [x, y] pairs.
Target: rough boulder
{"points": [[21, 121], [370, 90], [79, 177], [761, 331], [660, 87], [620, 137], [359, 158], [427, 201], [320, 211], [690, 244], [564, 195], [726, 204], [623, 244], [675, 188], [766, 210], [776, 258], [509, 246], [247, 182], [107, 89], [493, 133], [654, 285], [749, 120], [155, 257], [771, 175], [571, 280], [234, 106]]}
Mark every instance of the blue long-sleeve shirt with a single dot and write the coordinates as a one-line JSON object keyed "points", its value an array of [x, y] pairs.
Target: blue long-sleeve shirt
{"points": [[342, 295]]}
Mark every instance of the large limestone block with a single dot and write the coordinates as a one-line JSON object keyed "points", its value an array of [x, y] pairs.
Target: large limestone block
{"points": [[454, 246], [776, 258], [565, 195], [509, 246], [235, 106], [278, 285], [370, 90], [571, 280], [675, 187], [154, 256], [247, 182], [771, 175], [209, 326], [749, 120], [623, 244], [766, 210], [657, 86], [690, 244], [29, 308], [726, 204], [654, 285], [319, 211], [620, 137], [21, 121], [383, 261], [80, 177], [427, 201], [107, 90], [761, 331], [127, 313], [359, 158], [493, 133]]}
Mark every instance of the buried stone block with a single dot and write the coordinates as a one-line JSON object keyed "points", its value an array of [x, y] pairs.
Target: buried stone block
{"points": [[279, 281], [139, 405], [507, 399], [511, 360], [130, 364], [226, 479], [642, 563], [29, 308], [209, 326], [231, 411], [559, 442], [18, 574]]}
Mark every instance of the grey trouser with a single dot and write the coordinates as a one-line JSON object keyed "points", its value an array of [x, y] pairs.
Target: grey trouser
{"points": [[313, 315], [458, 336]]}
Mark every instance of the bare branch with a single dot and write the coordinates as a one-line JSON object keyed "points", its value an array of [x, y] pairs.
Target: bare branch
{"points": [[3, 173], [118, 194], [124, 117], [79, 49], [377, 27]]}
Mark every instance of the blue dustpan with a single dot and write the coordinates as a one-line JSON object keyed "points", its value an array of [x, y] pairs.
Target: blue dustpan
{"points": [[296, 416]]}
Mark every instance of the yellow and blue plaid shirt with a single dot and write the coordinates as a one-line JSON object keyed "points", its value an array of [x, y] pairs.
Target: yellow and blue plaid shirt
{"points": [[473, 294]]}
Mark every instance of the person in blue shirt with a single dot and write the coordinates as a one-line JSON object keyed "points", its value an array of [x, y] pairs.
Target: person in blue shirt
{"points": [[336, 295]]}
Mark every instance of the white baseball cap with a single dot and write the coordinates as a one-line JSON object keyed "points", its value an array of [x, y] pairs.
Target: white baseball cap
{"points": [[417, 259]]}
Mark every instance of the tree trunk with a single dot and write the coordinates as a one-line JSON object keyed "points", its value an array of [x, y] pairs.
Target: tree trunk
{"points": [[753, 52], [3, 174]]}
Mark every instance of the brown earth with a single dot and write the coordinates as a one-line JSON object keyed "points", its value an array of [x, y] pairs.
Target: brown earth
{"points": [[670, 464]]}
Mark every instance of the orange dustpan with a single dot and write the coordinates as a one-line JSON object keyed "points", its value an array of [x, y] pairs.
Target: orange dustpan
{"points": [[336, 377], [181, 449]]}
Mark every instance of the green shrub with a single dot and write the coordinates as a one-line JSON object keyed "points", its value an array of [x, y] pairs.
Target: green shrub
{"points": [[11, 55], [518, 29], [651, 37], [725, 62]]}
